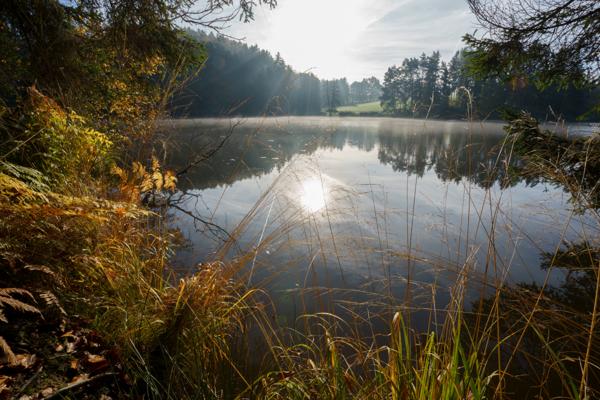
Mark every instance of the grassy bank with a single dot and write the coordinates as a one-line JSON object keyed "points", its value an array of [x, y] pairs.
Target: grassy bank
{"points": [[87, 289], [364, 108], [91, 306]]}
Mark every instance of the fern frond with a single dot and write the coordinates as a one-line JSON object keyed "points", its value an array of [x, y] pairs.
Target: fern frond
{"points": [[170, 180], [7, 299], [8, 292], [16, 196], [7, 351], [32, 177], [41, 268], [52, 300]]}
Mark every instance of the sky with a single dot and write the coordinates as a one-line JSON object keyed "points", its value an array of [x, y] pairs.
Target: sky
{"points": [[356, 38]]}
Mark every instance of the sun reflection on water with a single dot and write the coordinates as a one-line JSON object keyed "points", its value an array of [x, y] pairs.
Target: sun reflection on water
{"points": [[313, 196]]}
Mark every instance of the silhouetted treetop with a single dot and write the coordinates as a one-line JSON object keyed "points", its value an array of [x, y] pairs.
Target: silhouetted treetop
{"points": [[114, 61], [556, 39]]}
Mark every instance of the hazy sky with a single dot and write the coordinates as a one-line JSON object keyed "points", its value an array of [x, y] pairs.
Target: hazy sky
{"points": [[356, 38]]}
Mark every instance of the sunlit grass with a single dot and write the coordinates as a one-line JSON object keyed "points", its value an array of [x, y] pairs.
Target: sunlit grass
{"points": [[215, 333], [372, 107]]}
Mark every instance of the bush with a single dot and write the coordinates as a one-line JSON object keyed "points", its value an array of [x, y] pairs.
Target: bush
{"points": [[60, 144]]}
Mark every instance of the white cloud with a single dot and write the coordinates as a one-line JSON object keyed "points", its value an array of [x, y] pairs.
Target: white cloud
{"points": [[356, 38]]}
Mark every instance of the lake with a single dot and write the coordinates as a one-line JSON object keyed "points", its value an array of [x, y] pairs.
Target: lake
{"points": [[347, 214]]}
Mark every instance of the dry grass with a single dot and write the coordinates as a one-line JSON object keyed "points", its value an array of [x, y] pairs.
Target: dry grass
{"points": [[196, 336]]}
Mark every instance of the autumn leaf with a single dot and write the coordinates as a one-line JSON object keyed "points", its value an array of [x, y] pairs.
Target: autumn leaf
{"points": [[80, 378], [170, 180], [147, 184], [24, 360], [138, 170]]}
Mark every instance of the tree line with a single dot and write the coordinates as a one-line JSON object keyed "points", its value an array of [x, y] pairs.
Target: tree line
{"points": [[238, 79], [428, 86]]}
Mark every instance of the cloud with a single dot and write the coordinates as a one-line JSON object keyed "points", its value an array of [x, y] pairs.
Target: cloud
{"points": [[357, 38], [413, 27]]}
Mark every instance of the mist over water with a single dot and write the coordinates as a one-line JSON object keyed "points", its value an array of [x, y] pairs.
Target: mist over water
{"points": [[357, 210]]}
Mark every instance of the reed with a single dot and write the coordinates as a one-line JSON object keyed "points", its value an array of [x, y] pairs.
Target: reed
{"points": [[105, 256]]}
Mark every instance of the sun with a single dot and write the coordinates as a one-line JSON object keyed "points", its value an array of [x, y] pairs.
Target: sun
{"points": [[313, 196], [318, 34]]}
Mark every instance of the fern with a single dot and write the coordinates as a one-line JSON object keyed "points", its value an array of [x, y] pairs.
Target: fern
{"points": [[52, 301], [7, 351], [41, 268], [34, 178], [7, 299], [140, 181]]}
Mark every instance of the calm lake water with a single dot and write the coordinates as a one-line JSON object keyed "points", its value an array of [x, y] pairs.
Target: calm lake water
{"points": [[360, 213]]}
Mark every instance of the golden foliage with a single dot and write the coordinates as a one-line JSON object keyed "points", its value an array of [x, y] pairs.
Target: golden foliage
{"points": [[131, 98], [18, 197], [138, 180], [43, 228], [60, 144]]}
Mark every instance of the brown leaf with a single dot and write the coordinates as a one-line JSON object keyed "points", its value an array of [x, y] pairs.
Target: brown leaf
{"points": [[80, 378], [24, 360], [95, 358], [47, 392], [4, 381], [96, 363], [70, 347], [10, 356]]}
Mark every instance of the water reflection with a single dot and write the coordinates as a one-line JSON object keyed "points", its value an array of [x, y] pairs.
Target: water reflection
{"points": [[313, 195], [564, 314], [360, 205], [452, 149]]}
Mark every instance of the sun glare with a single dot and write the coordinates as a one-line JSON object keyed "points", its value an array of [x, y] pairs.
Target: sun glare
{"points": [[317, 33], [313, 196]]}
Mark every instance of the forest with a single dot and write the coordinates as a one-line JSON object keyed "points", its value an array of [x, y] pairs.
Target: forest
{"points": [[429, 86], [251, 82]]}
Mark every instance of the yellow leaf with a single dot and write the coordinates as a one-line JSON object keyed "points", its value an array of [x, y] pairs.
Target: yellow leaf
{"points": [[170, 179], [147, 184], [157, 178], [138, 170], [119, 172], [155, 164]]}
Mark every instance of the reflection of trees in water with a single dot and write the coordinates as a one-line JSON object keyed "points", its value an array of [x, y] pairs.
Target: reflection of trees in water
{"points": [[559, 339], [252, 153], [580, 261], [556, 338], [452, 157], [571, 162]]}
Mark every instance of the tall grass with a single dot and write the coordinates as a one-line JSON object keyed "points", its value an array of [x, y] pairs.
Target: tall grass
{"points": [[210, 335], [410, 365], [516, 340], [69, 240]]}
